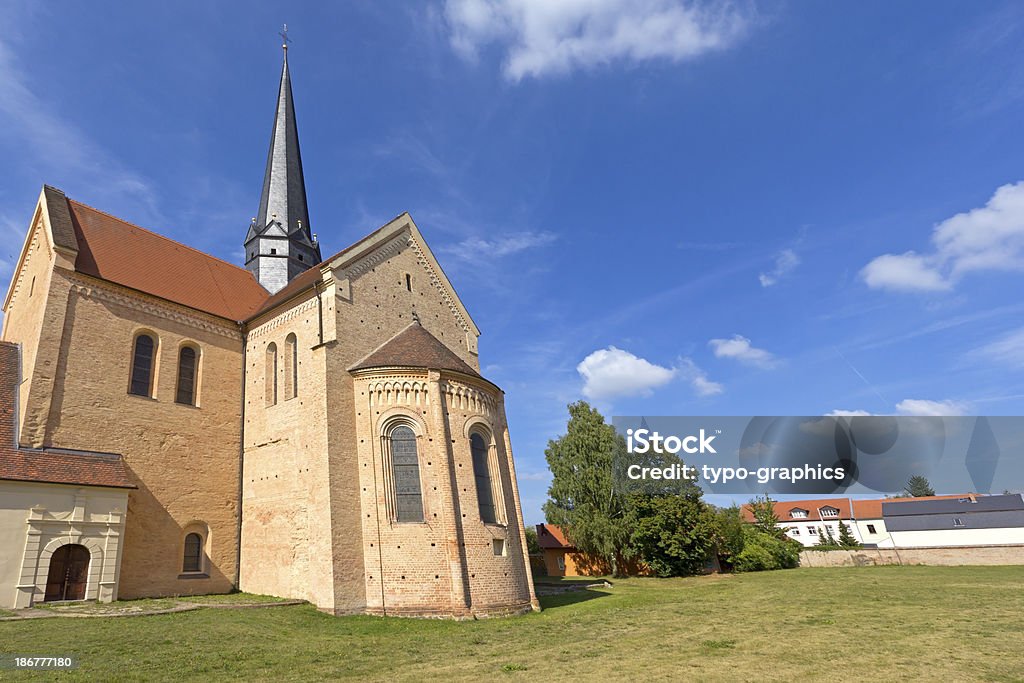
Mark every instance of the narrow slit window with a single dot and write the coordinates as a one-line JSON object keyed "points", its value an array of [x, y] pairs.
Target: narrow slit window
{"points": [[193, 560], [408, 282], [405, 465], [142, 366], [482, 475], [186, 393], [271, 374], [291, 369]]}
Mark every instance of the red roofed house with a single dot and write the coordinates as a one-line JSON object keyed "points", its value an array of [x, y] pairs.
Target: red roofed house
{"points": [[806, 520], [562, 559], [292, 425]]}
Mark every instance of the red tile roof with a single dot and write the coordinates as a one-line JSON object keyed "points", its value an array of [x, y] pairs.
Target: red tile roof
{"points": [[48, 466], [414, 347], [551, 536], [120, 252], [64, 467], [861, 509], [783, 509]]}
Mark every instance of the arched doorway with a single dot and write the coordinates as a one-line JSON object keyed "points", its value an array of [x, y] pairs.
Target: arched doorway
{"points": [[69, 569]]}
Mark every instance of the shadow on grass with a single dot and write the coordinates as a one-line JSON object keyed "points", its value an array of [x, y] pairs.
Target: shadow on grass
{"points": [[567, 580], [570, 598]]}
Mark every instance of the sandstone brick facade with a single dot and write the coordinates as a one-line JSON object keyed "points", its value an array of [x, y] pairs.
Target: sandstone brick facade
{"points": [[325, 444], [281, 465]]}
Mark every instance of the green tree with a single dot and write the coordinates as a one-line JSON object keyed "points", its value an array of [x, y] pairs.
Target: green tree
{"points": [[918, 487], [846, 537], [583, 499], [826, 538], [532, 543], [765, 519], [675, 535], [728, 533]]}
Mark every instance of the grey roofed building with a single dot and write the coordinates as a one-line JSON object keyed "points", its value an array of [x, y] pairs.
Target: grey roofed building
{"points": [[973, 512]]}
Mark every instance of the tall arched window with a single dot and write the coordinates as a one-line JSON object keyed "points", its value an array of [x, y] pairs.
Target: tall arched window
{"points": [[193, 556], [271, 374], [291, 366], [405, 465], [187, 366], [143, 356], [482, 474]]}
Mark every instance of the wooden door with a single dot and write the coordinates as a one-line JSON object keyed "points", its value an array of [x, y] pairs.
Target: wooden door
{"points": [[69, 572]]}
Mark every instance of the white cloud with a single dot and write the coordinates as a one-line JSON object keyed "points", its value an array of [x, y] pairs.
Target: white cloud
{"points": [[1007, 349], [924, 407], [542, 37], [698, 379], [739, 348], [613, 372], [916, 407], [907, 272], [785, 262], [986, 238], [476, 248]]}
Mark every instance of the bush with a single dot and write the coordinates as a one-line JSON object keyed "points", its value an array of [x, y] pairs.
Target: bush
{"points": [[762, 551]]}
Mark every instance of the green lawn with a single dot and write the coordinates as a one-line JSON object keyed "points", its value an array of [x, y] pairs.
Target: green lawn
{"points": [[871, 623]]}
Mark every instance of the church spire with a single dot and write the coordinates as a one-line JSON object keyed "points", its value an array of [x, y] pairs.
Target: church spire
{"points": [[279, 244]]}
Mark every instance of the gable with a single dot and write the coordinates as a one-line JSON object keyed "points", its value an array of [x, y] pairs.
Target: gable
{"points": [[352, 261]]}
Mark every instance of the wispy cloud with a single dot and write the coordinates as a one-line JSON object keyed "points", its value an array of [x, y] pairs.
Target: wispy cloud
{"points": [[541, 37], [1008, 349], [925, 407], [473, 248], [785, 263], [698, 379], [917, 407], [988, 238], [740, 349], [710, 246], [62, 151]]}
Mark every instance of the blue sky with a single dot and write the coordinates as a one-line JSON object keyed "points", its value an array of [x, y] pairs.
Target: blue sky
{"points": [[666, 208]]}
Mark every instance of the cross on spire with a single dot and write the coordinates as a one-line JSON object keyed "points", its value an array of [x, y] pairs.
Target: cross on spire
{"points": [[284, 37]]}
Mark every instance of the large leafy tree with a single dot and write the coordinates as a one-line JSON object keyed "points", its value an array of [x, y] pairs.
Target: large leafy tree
{"points": [[583, 498], [919, 487], [674, 534]]}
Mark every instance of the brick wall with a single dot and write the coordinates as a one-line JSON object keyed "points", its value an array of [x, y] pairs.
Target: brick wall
{"points": [[184, 459]]}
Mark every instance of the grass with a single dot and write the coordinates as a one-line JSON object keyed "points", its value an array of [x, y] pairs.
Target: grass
{"points": [[154, 604], [884, 623]]}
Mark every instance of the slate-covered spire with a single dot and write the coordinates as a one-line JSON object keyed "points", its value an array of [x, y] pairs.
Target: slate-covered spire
{"points": [[279, 244]]}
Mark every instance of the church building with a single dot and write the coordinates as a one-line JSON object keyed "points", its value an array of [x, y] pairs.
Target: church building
{"points": [[316, 428]]}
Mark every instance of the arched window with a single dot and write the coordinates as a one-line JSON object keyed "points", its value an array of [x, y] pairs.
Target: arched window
{"points": [[271, 374], [482, 474], [405, 465], [291, 366], [193, 557], [142, 366], [187, 365]]}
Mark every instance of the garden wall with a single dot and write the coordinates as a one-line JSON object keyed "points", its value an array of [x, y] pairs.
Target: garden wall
{"points": [[863, 557]]}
